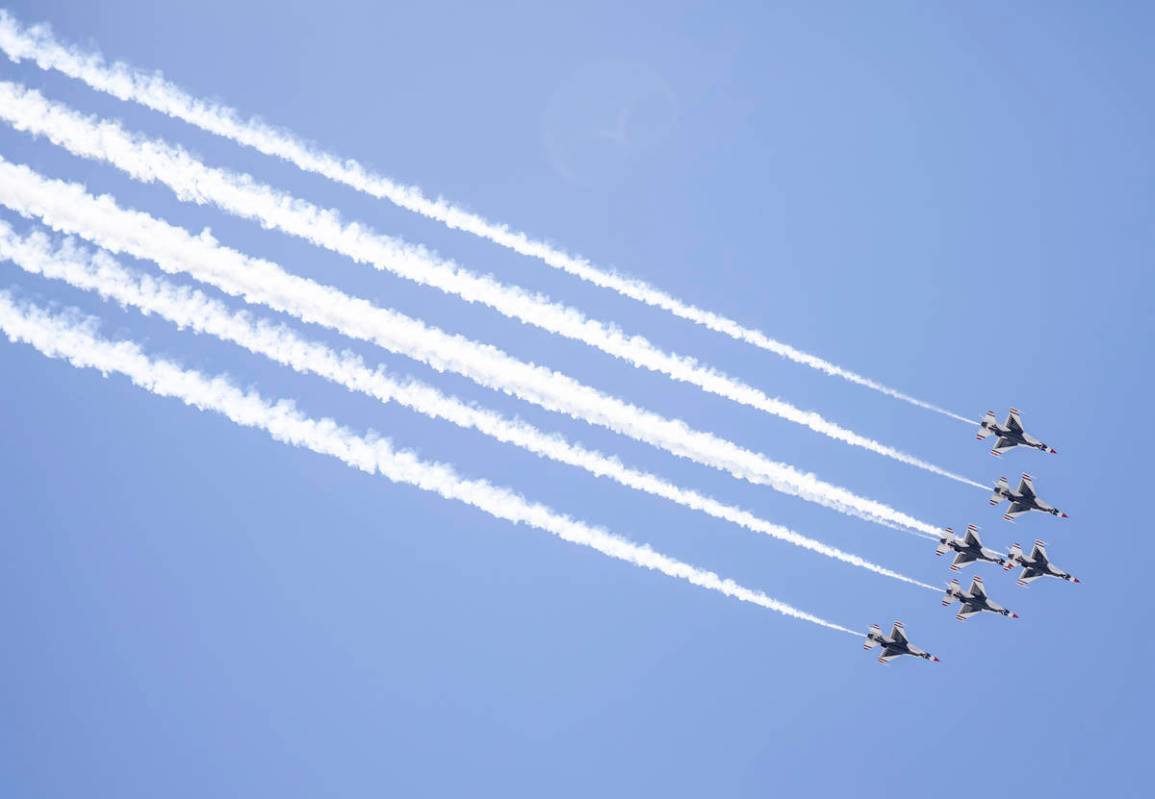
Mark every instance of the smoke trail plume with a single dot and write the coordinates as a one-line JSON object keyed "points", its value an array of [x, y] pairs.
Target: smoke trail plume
{"points": [[68, 208], [149, 160], [73, 339], [192, 309], [153, 91]]}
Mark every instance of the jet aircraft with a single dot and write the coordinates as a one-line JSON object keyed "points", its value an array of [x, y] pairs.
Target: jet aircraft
{"points": [[1011, 433], [974, 600], [1035, 565], [969, 548], [1022, 499], [894, 645]]}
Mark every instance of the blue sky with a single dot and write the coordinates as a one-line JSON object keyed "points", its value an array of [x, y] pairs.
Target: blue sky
{"points": [[956, 201]]}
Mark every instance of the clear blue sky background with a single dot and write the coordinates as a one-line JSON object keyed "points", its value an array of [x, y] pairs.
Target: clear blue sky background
{"points": [[955, 199]]}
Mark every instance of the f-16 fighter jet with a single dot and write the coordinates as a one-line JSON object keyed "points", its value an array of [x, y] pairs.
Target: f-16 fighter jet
{"points": [[1022, 500], [1011, 433], [974, 600], [894, 644], [1035, 565], [968, 548]]}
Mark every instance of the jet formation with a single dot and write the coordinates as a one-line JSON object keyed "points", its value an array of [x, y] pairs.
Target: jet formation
{"points": [[969, 548]]}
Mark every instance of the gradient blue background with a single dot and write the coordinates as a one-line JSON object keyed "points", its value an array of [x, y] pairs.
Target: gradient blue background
{"points": [[954, 199]]}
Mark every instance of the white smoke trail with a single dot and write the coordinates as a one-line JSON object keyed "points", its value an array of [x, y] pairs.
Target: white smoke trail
{"points": [[68, 208], [153, 91], [190, 308], [73, 339], [149, 160]]}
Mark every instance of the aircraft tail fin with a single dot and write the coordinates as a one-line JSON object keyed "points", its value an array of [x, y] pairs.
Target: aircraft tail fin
{"points": [[1001, 486], [986, 425], [951, 594], [944, 541], [1013, 555]]}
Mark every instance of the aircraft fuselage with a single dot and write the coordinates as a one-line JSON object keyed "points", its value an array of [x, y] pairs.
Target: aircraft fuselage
{"points": [[975, 552], [1018, 438]]}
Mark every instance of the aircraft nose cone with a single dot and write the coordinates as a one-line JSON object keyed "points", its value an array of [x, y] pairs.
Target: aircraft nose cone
{"points": [[1014, 615], [1075, 579], [1064, 516], [1053, 451]]}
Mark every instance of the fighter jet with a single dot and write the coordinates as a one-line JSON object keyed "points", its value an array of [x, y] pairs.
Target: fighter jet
{"points": [[1035, 565], [969, 548], [974, 600], [894, 644], [1022, 500], [1011, 433]]}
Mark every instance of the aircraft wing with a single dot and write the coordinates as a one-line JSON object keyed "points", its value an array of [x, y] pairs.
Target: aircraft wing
{"points": [[1039, 553], [1027, 488], [977, 589], [972, 537], [966, 611], [1002, 445], [1016, 510], [1014, 422], [962, 559], [889, 654], [1029, 575], [897, 634]]}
